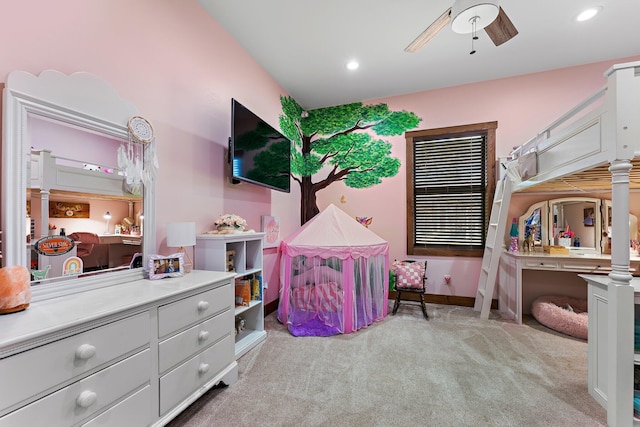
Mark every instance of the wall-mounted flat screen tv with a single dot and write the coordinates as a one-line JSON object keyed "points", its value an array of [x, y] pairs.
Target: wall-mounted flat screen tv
{"points": [[259, 154]]}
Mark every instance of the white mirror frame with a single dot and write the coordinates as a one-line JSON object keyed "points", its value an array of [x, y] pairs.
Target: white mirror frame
{"points": [[80, 99], [597, 223], [633, 222], [544, 226]]}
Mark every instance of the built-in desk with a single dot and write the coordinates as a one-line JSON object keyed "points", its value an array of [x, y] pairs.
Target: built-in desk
{"points": [[523, 277], [126, 239]]}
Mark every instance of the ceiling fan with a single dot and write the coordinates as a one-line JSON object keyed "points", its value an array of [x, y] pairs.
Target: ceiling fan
{"points": [[469, 16]]}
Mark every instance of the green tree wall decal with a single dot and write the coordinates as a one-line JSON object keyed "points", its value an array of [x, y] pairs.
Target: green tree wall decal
{"points": [[340, 142]]}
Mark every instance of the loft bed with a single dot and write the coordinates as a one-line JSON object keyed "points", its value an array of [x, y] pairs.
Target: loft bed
{"points": [[592, 147], [63, 175]]}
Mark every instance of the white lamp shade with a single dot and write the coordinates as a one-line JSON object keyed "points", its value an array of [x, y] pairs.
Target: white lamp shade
{"points": [[181, 234]]}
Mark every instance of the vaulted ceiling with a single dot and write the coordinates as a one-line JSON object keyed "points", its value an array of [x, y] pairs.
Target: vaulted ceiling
{"points": [[305, 45]]}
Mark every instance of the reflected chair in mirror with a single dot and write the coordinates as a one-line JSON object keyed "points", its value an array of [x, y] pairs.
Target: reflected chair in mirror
{"points": [[410, 280], [84, 242], [136, 260]]}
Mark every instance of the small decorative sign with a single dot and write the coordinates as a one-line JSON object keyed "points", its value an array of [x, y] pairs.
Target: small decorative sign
{"points": [[54, 245], [72, 266], [68, 210], [271, 228]]}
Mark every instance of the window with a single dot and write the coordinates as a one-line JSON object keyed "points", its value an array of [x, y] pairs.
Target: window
{"points": [[450, 186]]}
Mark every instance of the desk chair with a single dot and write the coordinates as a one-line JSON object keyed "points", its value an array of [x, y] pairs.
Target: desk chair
{"points": [[84, 242], [410, 278]]}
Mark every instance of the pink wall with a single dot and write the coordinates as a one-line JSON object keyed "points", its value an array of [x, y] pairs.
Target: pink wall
{"points": [[181, 69], [522, 106]]}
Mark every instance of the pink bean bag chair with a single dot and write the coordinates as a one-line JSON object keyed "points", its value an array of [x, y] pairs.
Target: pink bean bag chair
{"points": [[563, 314]]}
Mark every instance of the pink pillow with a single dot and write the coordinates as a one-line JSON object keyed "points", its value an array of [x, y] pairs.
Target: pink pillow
{"points": [[408, 274], [329, 297]]}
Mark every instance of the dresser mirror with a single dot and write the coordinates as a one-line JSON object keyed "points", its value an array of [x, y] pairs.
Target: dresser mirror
{"points": [[579, 223], [81, 116]]}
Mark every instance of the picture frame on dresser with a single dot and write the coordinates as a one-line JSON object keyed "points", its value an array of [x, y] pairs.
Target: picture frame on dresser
{"points": [[161, 266]]}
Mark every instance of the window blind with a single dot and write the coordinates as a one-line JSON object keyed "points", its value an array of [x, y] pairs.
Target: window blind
{"points": [[450, 183]]}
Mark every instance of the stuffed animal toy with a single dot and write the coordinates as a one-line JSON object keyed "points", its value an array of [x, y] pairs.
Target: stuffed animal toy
{"points": [[239, 325], [90, 167]]}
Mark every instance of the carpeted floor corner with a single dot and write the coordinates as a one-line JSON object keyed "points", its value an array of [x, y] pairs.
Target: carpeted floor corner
{"points": [[450, 370]]}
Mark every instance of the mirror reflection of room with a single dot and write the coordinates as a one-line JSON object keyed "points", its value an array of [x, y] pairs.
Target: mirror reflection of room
{"points": [[77, 191], [574, 223], [581, 224]]}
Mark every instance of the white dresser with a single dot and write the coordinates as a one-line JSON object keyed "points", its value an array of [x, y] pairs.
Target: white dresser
{"points": [[133, 354]]}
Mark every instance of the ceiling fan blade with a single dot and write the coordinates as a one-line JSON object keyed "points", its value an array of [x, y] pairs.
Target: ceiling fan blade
{"points": [[501, 30], [430, 32]]}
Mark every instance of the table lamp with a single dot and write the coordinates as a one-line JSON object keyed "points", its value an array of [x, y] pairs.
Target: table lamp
{"points": [[179, 235], [107, 216]]}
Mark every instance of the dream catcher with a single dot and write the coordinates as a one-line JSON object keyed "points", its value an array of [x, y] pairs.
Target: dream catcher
{"points": [[137, 158]]}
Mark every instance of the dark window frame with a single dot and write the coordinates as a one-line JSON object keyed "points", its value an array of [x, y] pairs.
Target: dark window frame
{"points": [[488, 130]]}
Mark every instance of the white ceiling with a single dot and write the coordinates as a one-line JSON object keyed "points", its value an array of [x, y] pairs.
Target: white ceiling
{"points": [[305, 44]]}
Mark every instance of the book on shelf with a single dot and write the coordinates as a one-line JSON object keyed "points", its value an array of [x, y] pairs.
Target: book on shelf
{"points": [[231, 260], [243, 292], [256, 288]]}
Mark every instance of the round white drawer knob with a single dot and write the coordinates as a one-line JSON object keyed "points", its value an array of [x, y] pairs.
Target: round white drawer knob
{"points": [[203, 305], [86, 399], [203, 336], [203, 368], [85, 351]]}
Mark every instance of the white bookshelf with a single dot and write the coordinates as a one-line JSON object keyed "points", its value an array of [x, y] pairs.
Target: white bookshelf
{"points": [[211, 254]]}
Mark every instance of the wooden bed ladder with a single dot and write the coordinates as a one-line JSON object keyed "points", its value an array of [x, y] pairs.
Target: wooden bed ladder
{"points": [[493, 247]]}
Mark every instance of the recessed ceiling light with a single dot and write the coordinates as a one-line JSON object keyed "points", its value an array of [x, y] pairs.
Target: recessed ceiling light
{"points": [[588, 13], [352, 65]]}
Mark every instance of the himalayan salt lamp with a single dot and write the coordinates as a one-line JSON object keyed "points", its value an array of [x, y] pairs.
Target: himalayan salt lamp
{"points": [[15, 288]]}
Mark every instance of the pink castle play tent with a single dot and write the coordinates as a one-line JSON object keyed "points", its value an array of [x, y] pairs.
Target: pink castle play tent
{"points": [[334, 275]]}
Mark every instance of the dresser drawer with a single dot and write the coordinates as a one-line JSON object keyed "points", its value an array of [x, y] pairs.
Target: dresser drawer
{"points": [[47, 366], [185, 344], [180, 314], [540, 264], [194, 373], [133, 411], [83, 398]]}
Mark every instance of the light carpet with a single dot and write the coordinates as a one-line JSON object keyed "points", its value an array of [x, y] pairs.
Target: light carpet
{"points": [[451, 370]]}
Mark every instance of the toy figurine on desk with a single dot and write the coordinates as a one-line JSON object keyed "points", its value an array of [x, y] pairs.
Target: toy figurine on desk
{"points": [[528, 245]]}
